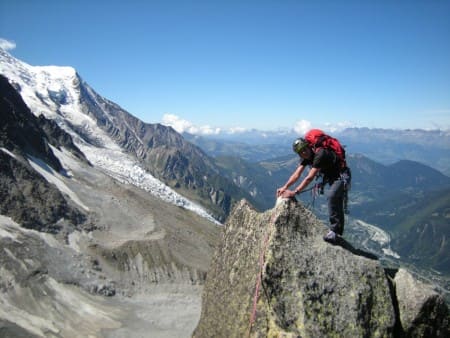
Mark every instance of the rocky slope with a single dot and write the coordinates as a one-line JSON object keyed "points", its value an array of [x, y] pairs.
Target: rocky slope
{"points": [[81, 247], [165, 153], [24, 194], [274, 276]]}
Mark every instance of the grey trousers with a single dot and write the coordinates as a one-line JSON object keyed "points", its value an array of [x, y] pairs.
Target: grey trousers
{"points": [[336, 206]]}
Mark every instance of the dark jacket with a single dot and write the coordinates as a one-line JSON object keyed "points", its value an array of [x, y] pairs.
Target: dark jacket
{"points": [[327, 161]]}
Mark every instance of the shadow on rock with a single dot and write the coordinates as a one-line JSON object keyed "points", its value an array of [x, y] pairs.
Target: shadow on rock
{"points": [[358, 252]]}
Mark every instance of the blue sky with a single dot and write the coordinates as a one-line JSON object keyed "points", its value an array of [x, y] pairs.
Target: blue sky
{"points": [[249, 64]]}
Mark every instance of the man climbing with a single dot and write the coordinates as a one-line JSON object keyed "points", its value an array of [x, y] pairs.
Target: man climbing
{"points": [[327, 158]]}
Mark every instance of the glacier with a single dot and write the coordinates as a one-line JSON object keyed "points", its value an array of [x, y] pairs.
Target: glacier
{"points": [[53, 91]]}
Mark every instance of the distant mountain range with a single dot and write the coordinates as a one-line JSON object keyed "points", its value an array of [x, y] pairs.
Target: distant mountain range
{"points": [[370, 179], [386, 146]]}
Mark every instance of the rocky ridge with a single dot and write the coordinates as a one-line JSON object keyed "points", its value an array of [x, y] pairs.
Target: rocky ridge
{"points": [[25, 195], [274, 276], [165, 154]]}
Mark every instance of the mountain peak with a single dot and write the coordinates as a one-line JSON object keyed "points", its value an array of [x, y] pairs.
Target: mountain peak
{"points": [[44, 88], [273, 275], [53, 70]]}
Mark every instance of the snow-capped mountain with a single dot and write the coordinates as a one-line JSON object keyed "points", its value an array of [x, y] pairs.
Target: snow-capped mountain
{"points": [[71, 235], [112, 139]]}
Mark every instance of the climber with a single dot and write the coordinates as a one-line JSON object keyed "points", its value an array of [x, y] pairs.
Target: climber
{"points": [[325, 162]]}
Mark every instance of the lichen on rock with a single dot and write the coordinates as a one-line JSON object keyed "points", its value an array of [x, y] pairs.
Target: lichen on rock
{"points": [[274, 276]]}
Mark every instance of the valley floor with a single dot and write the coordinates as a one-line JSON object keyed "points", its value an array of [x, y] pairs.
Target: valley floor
{"points": [[137, 273]]}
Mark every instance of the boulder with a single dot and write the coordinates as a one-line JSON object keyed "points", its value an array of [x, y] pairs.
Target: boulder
{"points": [[274, 276], [423, 311]]}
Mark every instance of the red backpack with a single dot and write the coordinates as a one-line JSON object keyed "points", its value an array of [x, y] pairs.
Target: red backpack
{"points": [[317, 139]]}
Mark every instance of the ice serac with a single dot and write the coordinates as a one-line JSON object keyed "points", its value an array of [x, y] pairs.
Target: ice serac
{"points": [[308, 288]]}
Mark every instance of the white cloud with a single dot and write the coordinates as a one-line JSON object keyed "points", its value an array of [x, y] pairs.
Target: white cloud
{"points": [[335, 127], [182, 126], [302, 126], [7, 45], [236, 130]]}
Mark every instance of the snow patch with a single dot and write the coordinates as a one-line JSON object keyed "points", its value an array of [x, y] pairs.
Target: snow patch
{"points": [[66, 158], [8, 152], [53, 177]]}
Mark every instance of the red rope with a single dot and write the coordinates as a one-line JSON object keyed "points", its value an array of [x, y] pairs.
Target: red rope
{"points": [[262, 257]]}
